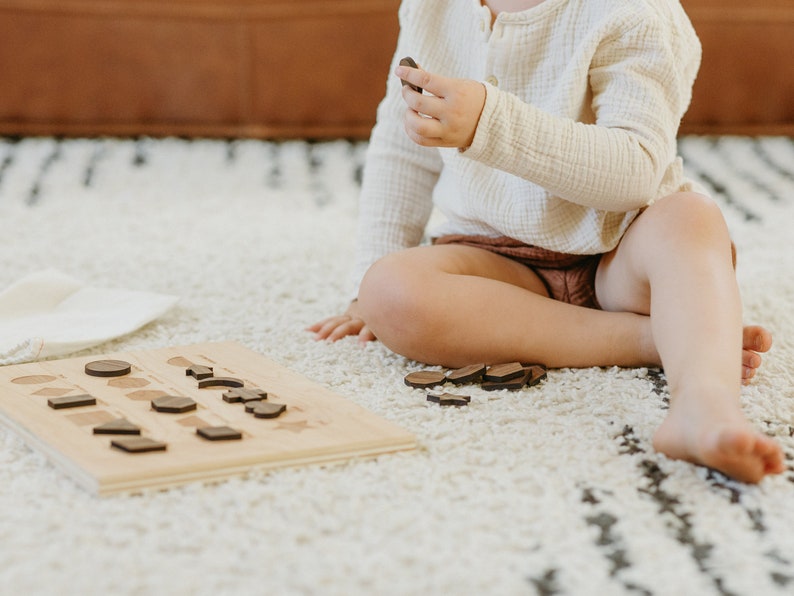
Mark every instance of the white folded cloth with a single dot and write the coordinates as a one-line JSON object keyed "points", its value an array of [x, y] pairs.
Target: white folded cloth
{"points": [[49, 314]]}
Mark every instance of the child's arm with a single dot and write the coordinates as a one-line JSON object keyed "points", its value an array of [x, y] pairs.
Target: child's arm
{"points": [[641, 89]]}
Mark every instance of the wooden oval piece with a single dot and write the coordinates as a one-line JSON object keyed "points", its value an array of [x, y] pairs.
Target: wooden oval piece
{"points": [[423, 379], [108, 368]]}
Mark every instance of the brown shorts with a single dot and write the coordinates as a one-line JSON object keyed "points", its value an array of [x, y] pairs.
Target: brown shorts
{"points": [[569, 278]]}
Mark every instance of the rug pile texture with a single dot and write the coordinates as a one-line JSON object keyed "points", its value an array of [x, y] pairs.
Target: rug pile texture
{"points": [[553, 489]]}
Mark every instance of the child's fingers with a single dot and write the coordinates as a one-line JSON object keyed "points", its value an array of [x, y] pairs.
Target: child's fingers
{"points": [[349, 327], [423, 131], [366, 335], [433, 83]]}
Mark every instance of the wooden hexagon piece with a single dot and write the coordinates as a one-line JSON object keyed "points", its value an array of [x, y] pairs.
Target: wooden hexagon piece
{"points": [[173, 404]]}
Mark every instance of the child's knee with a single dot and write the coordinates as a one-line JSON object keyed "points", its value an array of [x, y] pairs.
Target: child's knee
{"points": [[388, 295], [689, 217]]}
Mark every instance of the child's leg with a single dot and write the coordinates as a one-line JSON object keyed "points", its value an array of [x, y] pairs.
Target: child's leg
{"points": [[674, 263], [456, 305]]}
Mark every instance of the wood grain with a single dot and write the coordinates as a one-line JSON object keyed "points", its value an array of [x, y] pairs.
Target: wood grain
{"points": [[318, 425]]}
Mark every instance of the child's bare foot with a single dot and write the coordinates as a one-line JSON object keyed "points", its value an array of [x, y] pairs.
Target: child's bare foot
{"points": [[754, 340], [717, 439]]}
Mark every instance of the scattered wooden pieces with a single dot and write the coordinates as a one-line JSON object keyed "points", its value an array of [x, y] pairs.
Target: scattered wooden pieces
{"points": [[219, 433], [138, 444], [108, 368], [423, 379], [220, 382], [241, 394], [198, 371], [71, 401], [511, 376], [173, 404], [408, 61], [503, 372], [120, 426], [467, 374], [265, 409], [449, 399]]}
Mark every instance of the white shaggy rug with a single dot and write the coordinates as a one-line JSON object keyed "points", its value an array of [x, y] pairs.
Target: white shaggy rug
{"points": [[550, 490]]}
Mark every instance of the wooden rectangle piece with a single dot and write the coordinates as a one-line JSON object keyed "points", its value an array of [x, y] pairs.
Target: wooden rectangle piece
{"points": [[317, 425]]}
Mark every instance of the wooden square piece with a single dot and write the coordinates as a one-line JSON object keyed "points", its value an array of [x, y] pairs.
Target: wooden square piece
{"points": [[219, 433], [72, 401], [138, 444]]}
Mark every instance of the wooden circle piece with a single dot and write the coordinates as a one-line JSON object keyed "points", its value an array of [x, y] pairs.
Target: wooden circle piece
{"points": [[422, 379], [108, 368]]}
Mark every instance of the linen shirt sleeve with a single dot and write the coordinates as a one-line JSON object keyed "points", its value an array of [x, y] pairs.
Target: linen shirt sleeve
{"points": [[639, 93], [396, 197]]}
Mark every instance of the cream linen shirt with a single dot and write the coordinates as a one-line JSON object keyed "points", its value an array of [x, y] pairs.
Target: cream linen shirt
{"points": [[577, 134]]}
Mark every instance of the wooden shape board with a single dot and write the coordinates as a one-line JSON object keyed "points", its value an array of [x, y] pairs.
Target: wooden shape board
{"points": [[317, 426]]}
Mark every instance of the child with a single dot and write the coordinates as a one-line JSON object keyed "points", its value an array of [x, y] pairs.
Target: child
{"points": [[572, 237]]}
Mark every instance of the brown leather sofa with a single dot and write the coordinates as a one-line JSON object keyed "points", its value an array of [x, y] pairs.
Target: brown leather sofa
{"points": [[304, 68]]}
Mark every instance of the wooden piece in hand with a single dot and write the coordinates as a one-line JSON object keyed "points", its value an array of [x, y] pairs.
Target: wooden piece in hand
{"points": [[422, 379], [408, 61], [108, 368], [173, 404], [503, 372], [467, 374], [73, 401], [448, 399], [138, 444], [264, 409], [120, 426], [219, 433]]}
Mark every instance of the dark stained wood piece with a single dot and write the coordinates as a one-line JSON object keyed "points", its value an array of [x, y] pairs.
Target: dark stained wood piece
{"points": [[467, 374], [241, 394], [503, 372], [108, 368], [137, 444], [173, 404], [219, 433], [71, 401], [408, 61], [537, 374], [120, 426], [422, 379], [265, 409], [198, 371], [220, 382], [448, 399], [513, 384]]}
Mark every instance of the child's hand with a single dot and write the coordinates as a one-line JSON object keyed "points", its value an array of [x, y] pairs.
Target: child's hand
{"points": [[350, 323], [448, 117]]}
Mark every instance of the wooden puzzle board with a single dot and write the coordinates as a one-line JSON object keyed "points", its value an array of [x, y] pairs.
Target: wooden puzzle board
{"points": [[318, 425]]}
